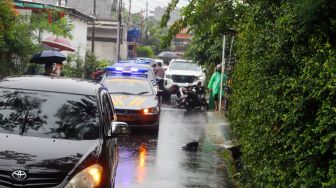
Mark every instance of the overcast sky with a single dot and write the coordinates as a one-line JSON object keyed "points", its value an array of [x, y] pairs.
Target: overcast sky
{"points": [[138, 5]]}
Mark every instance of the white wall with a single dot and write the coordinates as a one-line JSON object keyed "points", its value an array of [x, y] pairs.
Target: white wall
{"points": [[107, 50], [79, 34]]}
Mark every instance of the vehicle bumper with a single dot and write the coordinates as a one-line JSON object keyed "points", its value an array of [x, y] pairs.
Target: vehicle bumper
{"points": [[169, 82], [140, 120]]}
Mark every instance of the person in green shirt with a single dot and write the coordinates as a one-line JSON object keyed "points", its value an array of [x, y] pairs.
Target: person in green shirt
{"points": [[214, 86]]}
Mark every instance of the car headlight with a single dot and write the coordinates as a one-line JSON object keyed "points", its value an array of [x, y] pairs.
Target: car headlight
{"points": [[169, 76], [87, 178], [200, 78], [152, 110]]}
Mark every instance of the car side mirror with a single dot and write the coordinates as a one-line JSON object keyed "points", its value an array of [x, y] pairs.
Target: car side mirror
{"points": [[119, 129]]}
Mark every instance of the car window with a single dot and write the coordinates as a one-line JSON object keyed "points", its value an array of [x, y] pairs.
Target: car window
{"points": [[108, 109], [184, 66], [128, 86], [47, 114], [108, 113]]}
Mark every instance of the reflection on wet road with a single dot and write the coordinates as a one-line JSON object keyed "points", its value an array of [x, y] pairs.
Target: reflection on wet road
{"points": [[157, 161]]}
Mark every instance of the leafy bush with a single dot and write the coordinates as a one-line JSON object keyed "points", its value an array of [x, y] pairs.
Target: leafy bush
{"points": [[145, 51], [283, 106], [77, 67]]}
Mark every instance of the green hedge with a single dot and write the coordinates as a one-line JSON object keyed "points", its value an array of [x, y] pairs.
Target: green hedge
{"points": [[283, 106]]}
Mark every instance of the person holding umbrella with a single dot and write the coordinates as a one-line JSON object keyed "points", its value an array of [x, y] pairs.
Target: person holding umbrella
{"points": [[52, 61]]}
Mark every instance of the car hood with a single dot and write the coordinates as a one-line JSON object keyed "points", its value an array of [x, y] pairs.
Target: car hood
{"points": [[134, 102], [44, 155], [184, 72]]}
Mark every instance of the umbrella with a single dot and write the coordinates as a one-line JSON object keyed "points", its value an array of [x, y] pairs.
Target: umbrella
{"points": [[48, 56], [58, 42], [167, 55]]}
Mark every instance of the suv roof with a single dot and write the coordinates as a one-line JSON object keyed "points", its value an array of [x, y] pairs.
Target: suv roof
{"points": [[52, 84]]}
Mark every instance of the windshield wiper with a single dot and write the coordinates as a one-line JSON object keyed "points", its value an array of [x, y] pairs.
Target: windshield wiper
{"points": [[144, 92], [24, 122], [124, 93]]}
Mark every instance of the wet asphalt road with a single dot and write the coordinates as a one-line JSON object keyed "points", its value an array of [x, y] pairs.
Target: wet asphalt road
{"points": [[150, 160]]}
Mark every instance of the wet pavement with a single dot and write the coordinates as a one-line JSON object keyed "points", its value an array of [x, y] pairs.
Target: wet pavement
{"points": [[157, 160]]}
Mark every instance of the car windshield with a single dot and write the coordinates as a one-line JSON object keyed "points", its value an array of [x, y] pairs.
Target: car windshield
{"points": [[184, 66], [128, 86], [50, 115]]}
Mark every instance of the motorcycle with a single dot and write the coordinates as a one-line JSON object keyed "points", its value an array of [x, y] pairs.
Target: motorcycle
{"points": [[191, 97]]}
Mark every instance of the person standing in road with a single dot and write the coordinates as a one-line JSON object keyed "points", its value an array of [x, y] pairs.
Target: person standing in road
{"points": [[159, 70], [214, 86]]}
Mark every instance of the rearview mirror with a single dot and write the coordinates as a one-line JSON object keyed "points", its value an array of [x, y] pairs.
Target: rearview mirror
{"points": [[119, 129]]}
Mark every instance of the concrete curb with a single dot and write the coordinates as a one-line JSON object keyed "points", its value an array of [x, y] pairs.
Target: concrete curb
{"points": [[218, 134], [217, 130]]}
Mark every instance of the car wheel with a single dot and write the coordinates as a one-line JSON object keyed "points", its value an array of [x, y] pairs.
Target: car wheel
{"points": [[188, 106]]}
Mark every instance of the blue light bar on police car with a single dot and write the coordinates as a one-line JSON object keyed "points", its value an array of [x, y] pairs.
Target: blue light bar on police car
{"points": [[125, 70], [143, 61]]}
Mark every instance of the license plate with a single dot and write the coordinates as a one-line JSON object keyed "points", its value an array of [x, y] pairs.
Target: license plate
{"points": [[183, 84], [125, 118]]}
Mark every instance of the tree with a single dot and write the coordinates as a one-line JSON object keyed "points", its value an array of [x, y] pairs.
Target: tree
{"points": [[18, 35], [76, 67], [14, 37], [218, 18], [145, 51]]}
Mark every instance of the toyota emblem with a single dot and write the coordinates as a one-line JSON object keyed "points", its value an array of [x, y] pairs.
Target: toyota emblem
{"points": [[19, 175]]}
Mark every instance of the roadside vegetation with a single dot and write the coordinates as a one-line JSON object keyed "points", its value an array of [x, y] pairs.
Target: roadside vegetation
{"points": [[145, 51], [282, 109]]}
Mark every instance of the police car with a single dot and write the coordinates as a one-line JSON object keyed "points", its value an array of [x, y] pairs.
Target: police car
{"points": [[145, 60], [145, 68], [133, 95]]}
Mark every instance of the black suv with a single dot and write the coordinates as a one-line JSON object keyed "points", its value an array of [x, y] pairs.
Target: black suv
{"points": [[57, 132]]}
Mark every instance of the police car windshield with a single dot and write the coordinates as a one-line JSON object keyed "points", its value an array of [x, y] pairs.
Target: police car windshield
{"points": [[48, 114], [128, 86], [183, 65]]}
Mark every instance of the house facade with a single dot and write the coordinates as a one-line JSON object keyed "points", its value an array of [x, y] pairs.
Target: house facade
{"points": [[77, 18], [105, 32]]}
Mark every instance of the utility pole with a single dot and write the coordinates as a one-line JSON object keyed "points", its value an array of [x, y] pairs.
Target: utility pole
{"points": [[222, 76], [118, 31], [93, 27], [146, 27], [141, 26], [129, 14]]}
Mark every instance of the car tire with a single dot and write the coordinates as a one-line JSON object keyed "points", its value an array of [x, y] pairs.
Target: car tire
{"points": [[188, 106]]}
